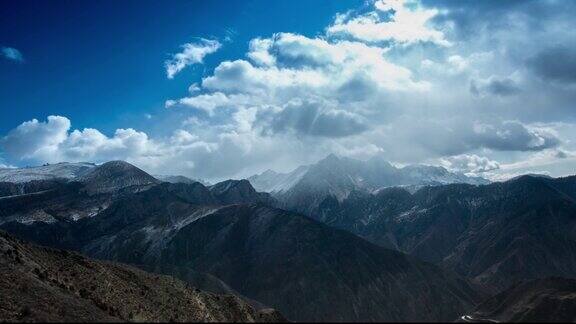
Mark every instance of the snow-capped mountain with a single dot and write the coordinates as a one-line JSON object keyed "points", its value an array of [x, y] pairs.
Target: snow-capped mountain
{"points": [[304, 188], [64, 170], [372, 174]]}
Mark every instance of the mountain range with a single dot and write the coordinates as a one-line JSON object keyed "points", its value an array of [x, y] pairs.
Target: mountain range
{"points": [[226, 236], [346, 240], [307, 186], [493, 234]]}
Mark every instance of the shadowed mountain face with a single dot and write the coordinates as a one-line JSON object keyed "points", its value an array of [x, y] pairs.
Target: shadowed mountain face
{"points": [[305, 188], [543, 300], [301, 267], [495, 234], [312, 271], [41, 284], [238, 192]]}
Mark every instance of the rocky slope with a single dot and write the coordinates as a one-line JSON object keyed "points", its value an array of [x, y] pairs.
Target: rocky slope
{"points": [[41, 284], [543, 300]]}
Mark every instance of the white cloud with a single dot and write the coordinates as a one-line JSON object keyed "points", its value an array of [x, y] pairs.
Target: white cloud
{"points": [[211, 101], [416, 81], [343, 79], [469, 164], [192, 53], [12, 54], [400, 21], [34, 139]]}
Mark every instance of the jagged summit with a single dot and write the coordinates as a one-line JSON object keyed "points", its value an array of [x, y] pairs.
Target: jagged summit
{"points": [[115, 175]]}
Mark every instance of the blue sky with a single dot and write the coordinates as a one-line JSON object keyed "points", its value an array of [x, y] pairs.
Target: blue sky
{"points": [[227, 89], [100, 63]]}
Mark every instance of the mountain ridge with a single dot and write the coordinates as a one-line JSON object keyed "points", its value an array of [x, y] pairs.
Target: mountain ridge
{"points": [[43, 284]]}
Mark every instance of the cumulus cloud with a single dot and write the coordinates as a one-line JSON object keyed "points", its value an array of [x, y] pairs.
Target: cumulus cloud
{"points": [[400, 21], [192, 53], [312, 118], [52, 141], [332, 82], [12, 54], [36, 139], [469, 164]]}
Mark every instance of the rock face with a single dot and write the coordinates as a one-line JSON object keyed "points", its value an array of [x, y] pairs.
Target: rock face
{"points": [[303, 268], [495, 234], [305, 188], [543, 300], [41, 284]]}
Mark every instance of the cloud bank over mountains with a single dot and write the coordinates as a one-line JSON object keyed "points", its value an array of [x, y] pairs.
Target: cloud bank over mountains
{"points": [[474, 86]]}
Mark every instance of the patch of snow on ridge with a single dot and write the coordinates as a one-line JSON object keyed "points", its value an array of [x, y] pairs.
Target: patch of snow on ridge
{"points": [[56, 171], [410, 215]]}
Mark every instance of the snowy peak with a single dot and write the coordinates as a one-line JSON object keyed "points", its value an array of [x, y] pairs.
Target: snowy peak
{"points": [[335, 173], [306, 187]]}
